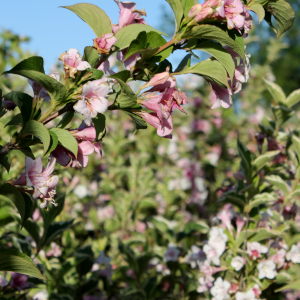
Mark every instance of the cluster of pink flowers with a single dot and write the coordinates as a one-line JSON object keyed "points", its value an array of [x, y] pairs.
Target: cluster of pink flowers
{"points": [[163, 98]]}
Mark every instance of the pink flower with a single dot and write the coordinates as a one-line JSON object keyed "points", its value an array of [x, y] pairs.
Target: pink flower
{"points": [[164, 127], [221, 96], [104, 43], [72, 62], [85, 137], [19, 281], [212, 3], [225, 215], [128, 15], [255, 250], [194, 10], [161, 79], [204, 14], [240, 223], [232, 10], [256, 290], [39, 178], [130, 62], [279, 258], [93, 100], [248, 23]]}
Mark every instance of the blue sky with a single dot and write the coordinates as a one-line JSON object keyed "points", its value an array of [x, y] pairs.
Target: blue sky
{"points": [[54, 30]]}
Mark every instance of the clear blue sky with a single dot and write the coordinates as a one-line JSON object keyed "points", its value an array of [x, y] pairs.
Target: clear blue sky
{"points": [[54, 30]]}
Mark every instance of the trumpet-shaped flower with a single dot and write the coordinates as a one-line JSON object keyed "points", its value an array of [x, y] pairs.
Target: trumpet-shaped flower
{"points": [[255, 250], [85, 137], [39, 178], [93, 100], [233, 11], [250, 295], [266, 269], [238, 263], [128, 15], [220, 289], [73, 61], [104, 43]]}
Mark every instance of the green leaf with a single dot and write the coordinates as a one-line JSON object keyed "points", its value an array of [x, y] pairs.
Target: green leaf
{"points": [[4, 161], [296, 143], [91, 55], [246, 160], [291, 286], [220, 54], [129, 33], [259, 199], [28, 207], [56, 229], [15, 261], [211, 70], [67, 118], [33, 229], [293, 98], [233, 198], [24, 102], [262, 160], [66, 139], [52, 212], [99, 124], [278, 183], [276, 91], [16, 120], [283, 14], [123, 75], [11, 193], [282, 113], [28, 68], [147, 45], [177, 8], [187, 5], [259, 10], [53, 142], [94, 16], [127, 97], [139, 122], [265, 234], [184, 64], [39, 130], [214, 33]]}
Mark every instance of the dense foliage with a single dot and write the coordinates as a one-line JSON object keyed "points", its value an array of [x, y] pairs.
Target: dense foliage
{"points": [[210, 212]]}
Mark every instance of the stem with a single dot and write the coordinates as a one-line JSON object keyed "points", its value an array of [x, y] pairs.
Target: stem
{"points": [[68, 107], [48, 113], [167, 45]]}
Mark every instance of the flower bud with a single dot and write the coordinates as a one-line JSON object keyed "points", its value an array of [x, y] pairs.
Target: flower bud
{"points": [[194, 10], [212, 3], [204, 14], [104, 43]]}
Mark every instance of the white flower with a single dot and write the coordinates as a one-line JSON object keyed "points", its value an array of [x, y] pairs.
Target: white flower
{"points": [[255, 249], [42, 295], [81, 191], [294, 254], [266, 269], [217, 239], [220, 289], [250, 295], [212, 254], [172, 253], [205, 284], [238, 263], [279, 258], [197, 256]]}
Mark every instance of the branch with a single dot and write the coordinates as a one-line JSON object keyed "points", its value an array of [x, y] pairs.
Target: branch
{"points": [[68, 107]]}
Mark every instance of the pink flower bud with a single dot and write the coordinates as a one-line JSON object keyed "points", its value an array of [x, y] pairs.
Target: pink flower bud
{"points": [[104, 43], [211, 3], [158, 79], [194, 10], [204, 14]]}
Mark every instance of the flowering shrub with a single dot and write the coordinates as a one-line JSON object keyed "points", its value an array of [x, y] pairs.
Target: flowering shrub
{"points": [[138, 239]]}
